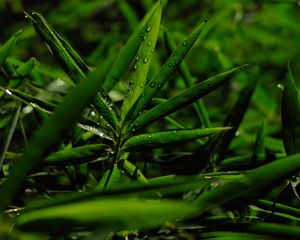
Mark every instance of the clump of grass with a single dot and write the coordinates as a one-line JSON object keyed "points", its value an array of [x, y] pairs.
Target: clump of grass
{"points": [[94, 153]]}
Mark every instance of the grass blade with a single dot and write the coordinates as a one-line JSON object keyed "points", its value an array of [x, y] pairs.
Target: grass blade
{"points": [[50, 134], [187, 77], [76, 155], [121, 213], [25, 69], [128, 52], [181, 100], [7, 47], [72, 64], [142, 63], [290, 115], [254, 183], [160, 139], [158, 81]]}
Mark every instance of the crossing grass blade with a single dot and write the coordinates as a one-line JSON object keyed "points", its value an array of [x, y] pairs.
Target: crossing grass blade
{"points": [[290, 115], [142, 62], [181, 100], [187, 77], [50, 134], [249, 187], [160, 139], [128, 52], [7, 47], [154, 85], [121, 213], [78, 155], [72, 64], [233, 119]]}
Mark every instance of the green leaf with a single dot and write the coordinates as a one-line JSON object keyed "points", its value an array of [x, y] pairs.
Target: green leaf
{"points": [[25, 69], [78, 155], [128, 52], [108, 180], [50, 134], [158, 81], [187, 77], [160, 139], [181, 100], [7, 47], [72, 64], [290, 116], [122, 213], [142, 62], [254, 184]]}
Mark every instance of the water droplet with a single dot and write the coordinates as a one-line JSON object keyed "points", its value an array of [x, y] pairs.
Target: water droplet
{"points": [[137, 58], [159, 86], [149, 136], [148, 29], [135, 67], [143, 37], [143, 94], [107, 125], [184, 43], [152, 84], [8, 92], [170, 64], [152, 50], [206, 20], [280, 86], [209, 83], [133, 129], [175, 54], [145, 60], [174, 131], [237, 133], [149, 44], [162, 142], [101, 134]]}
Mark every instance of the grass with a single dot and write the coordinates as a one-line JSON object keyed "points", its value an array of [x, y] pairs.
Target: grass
{"points": [[139, 143]]}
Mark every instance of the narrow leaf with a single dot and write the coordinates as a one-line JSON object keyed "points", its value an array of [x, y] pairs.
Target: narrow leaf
{"points": [[76, 155], [50, 134], [25, 69], [142, 62], [7, 47], [159, 139], [128, 52], [181, 100], [290, 116], [154, 85]]}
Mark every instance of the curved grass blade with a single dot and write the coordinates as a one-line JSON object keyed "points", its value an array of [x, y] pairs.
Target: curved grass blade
{"points": [[71, 63], [128, 52], [252, 185], [290, 115], [131, 170], [50, 134], [142, 62], [122, 213], [187, 77], [181, 100], [7, 47], [160, 139], [108, 180], [76, 155], [158, 81], [128, 13], [259, 153]]}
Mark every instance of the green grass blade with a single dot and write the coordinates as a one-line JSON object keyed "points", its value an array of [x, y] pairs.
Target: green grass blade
{"points": [[142, 62], [72, 64], [234, 119], [59, 51], [254, 183], [290, 115], [7, 47], [187, 77], [25, 69], [9, 135], [154, 85], [128, 52], [50, 134], [129, 13], [181, 100], [122, 213], [78, 155], [160, 139], [108, 180], [259, 153]]}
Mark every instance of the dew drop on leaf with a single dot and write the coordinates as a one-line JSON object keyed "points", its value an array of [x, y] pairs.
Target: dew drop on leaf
{"points": [[148, 29]]}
